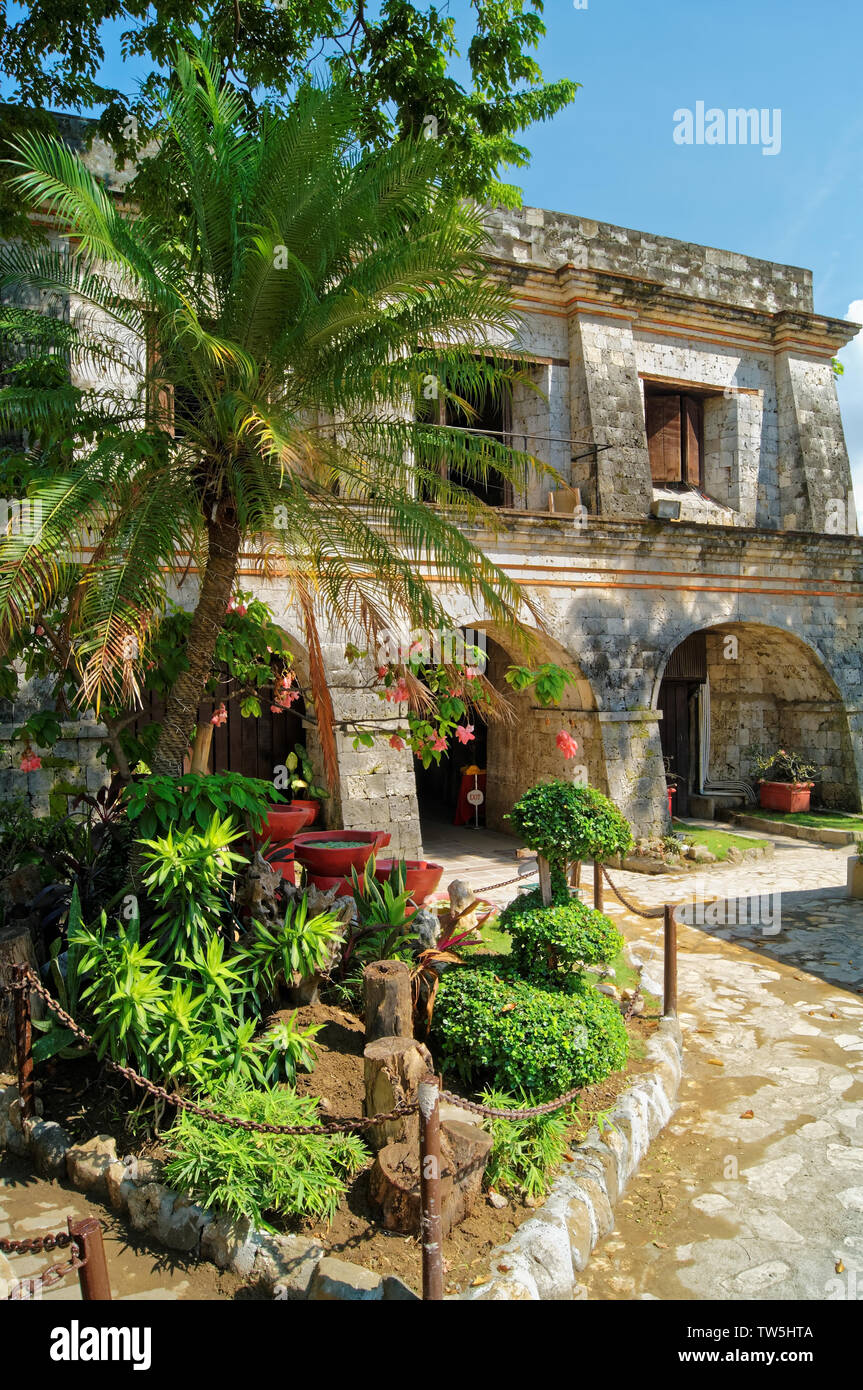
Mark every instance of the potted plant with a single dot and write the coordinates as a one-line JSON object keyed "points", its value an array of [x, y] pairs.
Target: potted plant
{"points": [[421, 876], [304, 792], [855, 870], [329, 855], [784, 781]]}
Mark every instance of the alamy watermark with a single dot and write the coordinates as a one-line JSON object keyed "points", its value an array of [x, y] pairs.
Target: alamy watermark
{"points": [[737, 126], [757, 912], [21, 516], [435, 647]]}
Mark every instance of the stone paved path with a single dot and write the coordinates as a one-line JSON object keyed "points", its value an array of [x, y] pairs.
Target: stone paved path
{"points": [[755, 1190], [137, 1270]]}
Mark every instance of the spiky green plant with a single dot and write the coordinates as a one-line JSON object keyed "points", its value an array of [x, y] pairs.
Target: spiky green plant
{"points": [[255, 358]]}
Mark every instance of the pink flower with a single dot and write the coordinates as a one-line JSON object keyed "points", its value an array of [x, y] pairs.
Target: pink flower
{"points": [[439, 744], [30, 761], [40, 631], [397, 743], [414, 648], [241, 610], [220, 717], [464, 733], [567, 744], [382, 671], [399, 692], [472, 672]]}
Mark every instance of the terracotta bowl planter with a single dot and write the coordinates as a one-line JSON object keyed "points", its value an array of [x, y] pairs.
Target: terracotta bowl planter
{"points": [[421, 877], [312, 806], [784, 796], [282, 824], [313, 850], [344, 886]]}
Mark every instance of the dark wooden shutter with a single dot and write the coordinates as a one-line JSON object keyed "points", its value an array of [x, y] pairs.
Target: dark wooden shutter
{"points": [[693, 415], [664, 438]]}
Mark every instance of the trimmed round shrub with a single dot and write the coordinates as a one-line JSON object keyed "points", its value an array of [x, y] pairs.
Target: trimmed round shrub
{"points": [[550, 943], [492, 1027], [562, 821]]}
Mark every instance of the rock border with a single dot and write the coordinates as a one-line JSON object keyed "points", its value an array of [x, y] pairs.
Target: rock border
{"points": [[543, 1258], [287, 1267], [814, 834]]}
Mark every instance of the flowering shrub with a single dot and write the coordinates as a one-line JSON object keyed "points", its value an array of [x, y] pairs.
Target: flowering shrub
{"points": [[782, 766]]}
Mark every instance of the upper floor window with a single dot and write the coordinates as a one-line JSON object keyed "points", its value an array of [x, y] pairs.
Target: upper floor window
{"points": [[488, 419], [675, 435]]}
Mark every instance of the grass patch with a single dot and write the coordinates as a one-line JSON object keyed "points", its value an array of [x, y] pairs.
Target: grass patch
{"points": [[498, 942], [825, 821], [719, 842]]}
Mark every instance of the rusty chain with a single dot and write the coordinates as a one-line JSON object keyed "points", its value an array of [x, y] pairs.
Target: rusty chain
{"points": [[491, 1113], [639, 911], [35, 1245], [28, 980], [22, 1288]]}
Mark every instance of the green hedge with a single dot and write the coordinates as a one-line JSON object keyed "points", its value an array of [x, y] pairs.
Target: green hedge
{"points": [[561, 821], [492, 1027], [550, 943]]}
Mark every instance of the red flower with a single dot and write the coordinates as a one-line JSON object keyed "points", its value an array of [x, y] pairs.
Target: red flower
{"points": [[464, 733], [399, 692], [439, 744], [397, 743], [30, 761], [567, 744], [220, 716]]}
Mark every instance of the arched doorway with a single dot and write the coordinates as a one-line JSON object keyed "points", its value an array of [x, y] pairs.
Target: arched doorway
{"points": [[729, 691]]}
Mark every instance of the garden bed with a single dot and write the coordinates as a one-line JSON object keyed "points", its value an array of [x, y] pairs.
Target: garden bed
{"points": [[86, 1102]]}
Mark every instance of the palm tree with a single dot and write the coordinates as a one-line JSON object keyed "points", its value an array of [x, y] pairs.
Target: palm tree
{"points": [[255, 361]]}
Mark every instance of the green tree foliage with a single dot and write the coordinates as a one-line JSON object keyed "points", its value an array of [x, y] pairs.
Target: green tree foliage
{"points": [[411, 71], [550, 944], [303, 282]]}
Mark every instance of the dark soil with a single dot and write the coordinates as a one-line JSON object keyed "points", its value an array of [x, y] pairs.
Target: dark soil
{"points": [[88, 1101]]}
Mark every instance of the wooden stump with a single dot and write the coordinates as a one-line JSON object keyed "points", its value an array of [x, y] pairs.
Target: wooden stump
{"points": [[394, 1068], [544, 880], [387, 993], [395, 1178], [16, 948]]}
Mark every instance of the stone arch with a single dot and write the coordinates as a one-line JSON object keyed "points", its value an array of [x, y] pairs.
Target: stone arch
{"points": [[768, 688]]}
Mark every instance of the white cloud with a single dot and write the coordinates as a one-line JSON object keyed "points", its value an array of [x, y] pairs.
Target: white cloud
{"points": [[850, 388]]}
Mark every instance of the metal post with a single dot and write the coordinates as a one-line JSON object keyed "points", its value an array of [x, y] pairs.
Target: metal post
{"points": [[430, 1218], [93, 1274], [597, 885], [669, 1000], [24, 1044]]}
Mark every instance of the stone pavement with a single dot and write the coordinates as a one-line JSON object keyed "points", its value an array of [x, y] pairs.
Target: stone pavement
{"points": [[137, 1270], [755, 1189]]}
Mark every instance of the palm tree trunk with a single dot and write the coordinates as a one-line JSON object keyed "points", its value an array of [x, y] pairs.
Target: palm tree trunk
{"points": [[181, 714]]}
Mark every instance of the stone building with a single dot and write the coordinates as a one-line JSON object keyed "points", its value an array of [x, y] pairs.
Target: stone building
{"points": [[697, 566]]}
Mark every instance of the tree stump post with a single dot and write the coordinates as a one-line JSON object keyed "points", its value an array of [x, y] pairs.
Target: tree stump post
{"points": [[16, 948], [387, 992], [394, 1068], [544, 880], [598, 895]]}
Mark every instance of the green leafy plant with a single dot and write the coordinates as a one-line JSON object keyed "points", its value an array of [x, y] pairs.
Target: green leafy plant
{"points": [[782, 766], [525, 1154], [302, 783], [252, 1175], [489, 1025], [549, 944], [297, 949], [56, 1040], [383, 904], [184, 872], [289, 1047], [157, 804], [563, 821]]}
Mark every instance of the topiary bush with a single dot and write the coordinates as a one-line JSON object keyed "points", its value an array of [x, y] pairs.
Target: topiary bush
{"points": [[489, 1026], [550, 944], [562, 821]]}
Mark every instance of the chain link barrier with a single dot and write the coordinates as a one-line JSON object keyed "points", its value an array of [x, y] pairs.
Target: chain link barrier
{"points": [[28, 980], [54, 1274]]}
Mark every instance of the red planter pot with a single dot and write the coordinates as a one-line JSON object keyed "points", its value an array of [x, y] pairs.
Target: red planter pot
{"points": [[282, 824], [312, 806], [313, 851], [345, 886], [784, 796], [421, 877]]}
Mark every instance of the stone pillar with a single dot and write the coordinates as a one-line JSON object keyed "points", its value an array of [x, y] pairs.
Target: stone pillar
{"points": [[607, 408], [377, 786], [635, 771], [815, 477]]}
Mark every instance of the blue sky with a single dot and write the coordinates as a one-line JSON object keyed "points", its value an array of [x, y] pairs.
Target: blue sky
{"points": [[612, 155]]}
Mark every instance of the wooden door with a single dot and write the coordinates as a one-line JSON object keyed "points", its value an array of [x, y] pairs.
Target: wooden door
{"points": [[676, 738]]}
